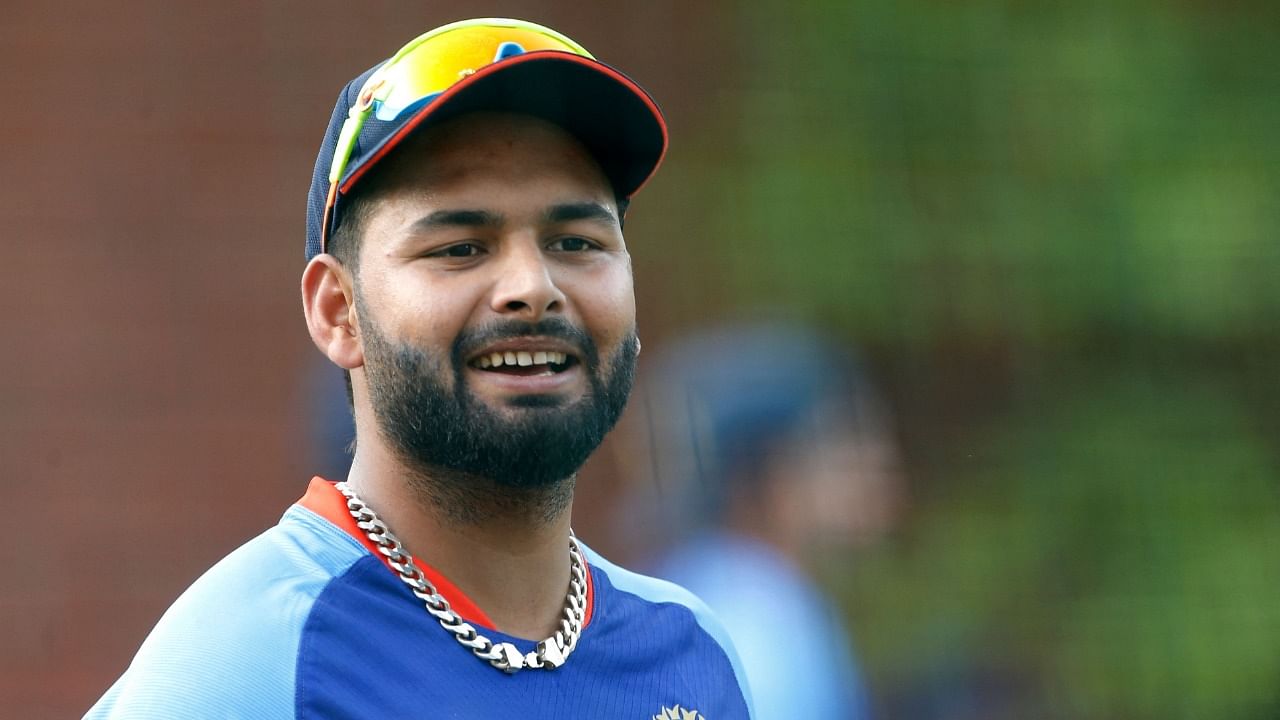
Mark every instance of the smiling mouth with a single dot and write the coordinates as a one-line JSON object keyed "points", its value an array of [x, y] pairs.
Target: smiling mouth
{"points": [[524, 362]]}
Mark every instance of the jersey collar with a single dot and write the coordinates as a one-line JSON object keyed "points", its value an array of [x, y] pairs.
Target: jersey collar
{"points": [[323, 499]]}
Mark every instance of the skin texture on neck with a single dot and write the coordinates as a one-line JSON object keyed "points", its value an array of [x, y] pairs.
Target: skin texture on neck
{"points": [[489, 219]]}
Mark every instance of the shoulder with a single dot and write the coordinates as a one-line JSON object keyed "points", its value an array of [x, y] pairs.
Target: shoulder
{"points": [[651, 589], [657, 592], [227, 647]]}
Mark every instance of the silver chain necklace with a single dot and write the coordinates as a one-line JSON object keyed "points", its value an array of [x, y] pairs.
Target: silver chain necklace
{"points": [[550, 653]]}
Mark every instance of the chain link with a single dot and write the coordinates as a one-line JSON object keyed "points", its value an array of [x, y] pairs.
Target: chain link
{"points": [[549, 654]]}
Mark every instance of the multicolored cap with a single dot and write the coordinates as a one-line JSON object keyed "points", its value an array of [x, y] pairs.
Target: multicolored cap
{"points": [[492, 64]]}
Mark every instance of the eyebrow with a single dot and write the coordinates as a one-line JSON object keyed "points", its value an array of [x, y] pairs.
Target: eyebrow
{"points": [[561, 213], [569, 212], [457, 218]]}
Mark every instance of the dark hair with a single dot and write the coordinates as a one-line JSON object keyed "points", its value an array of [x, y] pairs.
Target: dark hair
{"points": [[344, 244]]}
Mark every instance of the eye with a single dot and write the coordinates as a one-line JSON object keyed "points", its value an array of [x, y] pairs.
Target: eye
{"points": [[573, 244], [460, 250]]}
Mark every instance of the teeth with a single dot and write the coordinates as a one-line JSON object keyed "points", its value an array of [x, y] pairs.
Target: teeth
{"points": [[522, 358]]}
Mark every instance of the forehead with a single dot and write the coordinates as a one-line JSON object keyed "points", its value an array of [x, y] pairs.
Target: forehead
{"points": [[496, 158]]}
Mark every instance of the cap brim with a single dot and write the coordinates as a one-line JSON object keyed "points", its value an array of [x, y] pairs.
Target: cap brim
{"points": [[613, 117]]}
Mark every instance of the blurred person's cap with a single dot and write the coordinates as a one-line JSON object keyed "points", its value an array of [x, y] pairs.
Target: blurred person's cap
{"points": [[488, 64], [728, 395]]}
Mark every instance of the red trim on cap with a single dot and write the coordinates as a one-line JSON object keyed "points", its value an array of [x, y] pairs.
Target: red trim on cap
{"points": [[487, 70], [330, 200], [323, 499]]}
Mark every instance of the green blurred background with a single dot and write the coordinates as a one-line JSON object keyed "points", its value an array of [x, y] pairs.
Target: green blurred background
{"points": [[1051, 230], [1054, 230]]}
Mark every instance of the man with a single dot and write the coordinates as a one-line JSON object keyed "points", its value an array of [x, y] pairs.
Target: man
{"points": [[467, 268], [775, 456]]}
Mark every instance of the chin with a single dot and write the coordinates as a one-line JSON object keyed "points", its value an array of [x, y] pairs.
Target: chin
{"points": [[536, 401]]}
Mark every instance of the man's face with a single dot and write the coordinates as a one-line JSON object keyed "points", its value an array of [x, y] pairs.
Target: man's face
{"points": [[496, 239]]}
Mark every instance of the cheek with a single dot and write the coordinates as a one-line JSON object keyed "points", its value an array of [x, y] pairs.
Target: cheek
{"points": [[427, 313], [609, 307]]}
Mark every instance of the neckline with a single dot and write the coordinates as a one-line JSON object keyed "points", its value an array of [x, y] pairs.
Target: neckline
{"points": [[323, 499]]}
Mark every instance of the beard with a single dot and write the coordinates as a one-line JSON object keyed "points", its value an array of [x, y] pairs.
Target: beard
{"points": [[473, 461]]}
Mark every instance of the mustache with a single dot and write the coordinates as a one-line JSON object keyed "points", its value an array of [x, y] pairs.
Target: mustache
{"points": [[471, 341]]}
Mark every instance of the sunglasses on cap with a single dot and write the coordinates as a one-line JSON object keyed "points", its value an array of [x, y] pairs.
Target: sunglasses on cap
{"points": [[429, 65]]}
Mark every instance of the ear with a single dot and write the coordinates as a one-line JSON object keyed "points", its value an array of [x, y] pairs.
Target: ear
{"points": [[328, 301]]}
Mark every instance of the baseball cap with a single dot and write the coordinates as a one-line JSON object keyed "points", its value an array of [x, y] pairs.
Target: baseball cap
{"points": [[485, 64]]}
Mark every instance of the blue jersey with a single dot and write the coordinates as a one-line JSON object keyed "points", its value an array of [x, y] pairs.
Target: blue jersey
{"points": [[304, 621]]}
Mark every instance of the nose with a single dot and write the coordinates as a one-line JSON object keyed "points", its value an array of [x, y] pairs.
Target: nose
{"points": [[525, 286]]}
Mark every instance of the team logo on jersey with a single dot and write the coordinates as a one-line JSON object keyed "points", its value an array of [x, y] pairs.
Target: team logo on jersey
{"points": [[678, 713]]}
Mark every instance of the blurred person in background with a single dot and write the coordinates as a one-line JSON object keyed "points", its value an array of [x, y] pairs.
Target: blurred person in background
{"points": [[771, 452]]}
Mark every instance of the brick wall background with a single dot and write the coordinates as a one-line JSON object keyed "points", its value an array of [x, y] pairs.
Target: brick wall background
{"points": [[152, 379]]}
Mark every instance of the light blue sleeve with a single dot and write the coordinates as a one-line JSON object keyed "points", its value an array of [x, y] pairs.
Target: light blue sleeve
{"points": [[804, 672], [227, 648], [662, 591], [794, 649]]}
